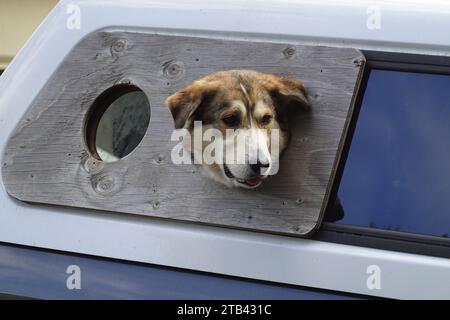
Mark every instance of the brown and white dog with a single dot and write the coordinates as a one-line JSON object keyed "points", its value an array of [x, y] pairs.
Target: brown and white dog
{"points": [[239, 99]]}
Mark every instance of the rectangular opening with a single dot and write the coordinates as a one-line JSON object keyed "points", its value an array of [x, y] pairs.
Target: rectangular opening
{"points": [[394, 186]]}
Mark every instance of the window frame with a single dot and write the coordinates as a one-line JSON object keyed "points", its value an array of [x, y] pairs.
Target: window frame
{"points": [[379, 238]]}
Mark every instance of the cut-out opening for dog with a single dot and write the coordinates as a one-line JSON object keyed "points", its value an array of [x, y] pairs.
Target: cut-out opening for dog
{"points": [[117, 122]]}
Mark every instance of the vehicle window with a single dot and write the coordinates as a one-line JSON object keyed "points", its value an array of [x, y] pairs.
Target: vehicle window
{"points": [[397, 174]]}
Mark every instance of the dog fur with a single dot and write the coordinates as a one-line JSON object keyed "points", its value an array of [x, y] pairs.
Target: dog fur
{"points": [[239, 99]]}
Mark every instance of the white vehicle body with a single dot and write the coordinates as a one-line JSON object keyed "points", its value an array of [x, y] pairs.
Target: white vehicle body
{"points": [[405, 26]]}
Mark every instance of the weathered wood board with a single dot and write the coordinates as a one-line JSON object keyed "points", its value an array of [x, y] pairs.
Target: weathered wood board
{"points": [[46, 160]]}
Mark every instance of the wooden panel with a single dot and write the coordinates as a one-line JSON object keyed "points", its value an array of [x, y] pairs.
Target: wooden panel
{"points": [[46, 160]]}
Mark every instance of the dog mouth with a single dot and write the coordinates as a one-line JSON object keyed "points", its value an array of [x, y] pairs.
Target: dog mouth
{"points": [[250, 182]]}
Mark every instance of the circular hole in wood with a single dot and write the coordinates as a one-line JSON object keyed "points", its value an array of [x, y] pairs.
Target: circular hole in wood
{"points": [[117, 122]]}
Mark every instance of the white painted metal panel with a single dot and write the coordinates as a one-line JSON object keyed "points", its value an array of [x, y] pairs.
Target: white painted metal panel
{"points": [[232, 252]]}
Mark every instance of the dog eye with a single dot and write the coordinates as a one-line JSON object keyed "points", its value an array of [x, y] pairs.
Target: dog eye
{"points": [[266, 119], [231, 121]]}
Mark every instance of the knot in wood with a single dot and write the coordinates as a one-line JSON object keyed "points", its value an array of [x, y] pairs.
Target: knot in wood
{"points": [[93, 165], [289, 52], [118, 46], [104, 185], [173, 69]]}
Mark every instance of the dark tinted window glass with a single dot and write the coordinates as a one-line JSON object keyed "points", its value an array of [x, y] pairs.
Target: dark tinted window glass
{"points": [[397, 175]]}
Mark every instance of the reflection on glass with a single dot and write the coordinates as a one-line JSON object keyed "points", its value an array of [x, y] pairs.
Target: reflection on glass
{"points": [[397, 176], [122, 126]]}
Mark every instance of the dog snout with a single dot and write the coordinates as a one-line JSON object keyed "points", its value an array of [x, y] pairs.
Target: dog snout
{"points": [[256, 168]]}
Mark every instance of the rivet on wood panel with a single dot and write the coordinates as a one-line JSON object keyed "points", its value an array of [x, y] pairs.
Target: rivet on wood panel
{"points": [[160, 159], [358, 62], [8, 159], [156, 205], [173, 69]]}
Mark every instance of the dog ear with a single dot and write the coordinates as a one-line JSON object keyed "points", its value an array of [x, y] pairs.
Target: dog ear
{"points": [[186, 103], [286, 94]]}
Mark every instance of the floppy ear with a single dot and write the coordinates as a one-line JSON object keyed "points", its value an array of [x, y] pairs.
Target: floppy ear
{"points": [[288, 92], [186, 103]]}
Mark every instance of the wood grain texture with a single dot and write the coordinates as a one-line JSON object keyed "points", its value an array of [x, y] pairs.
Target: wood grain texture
{"points": [[46, 160]]}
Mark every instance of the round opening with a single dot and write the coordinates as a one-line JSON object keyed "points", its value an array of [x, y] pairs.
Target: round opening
{"points": [[117, 122]]}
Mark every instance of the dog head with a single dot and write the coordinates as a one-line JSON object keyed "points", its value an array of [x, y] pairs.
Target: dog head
{"points": [[249, 104]]}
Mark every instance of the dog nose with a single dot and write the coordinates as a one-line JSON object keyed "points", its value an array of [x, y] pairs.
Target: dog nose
{"points": [[256, 167]]}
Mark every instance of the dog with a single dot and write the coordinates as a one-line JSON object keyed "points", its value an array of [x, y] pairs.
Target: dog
{"points": [[240, 100]]}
